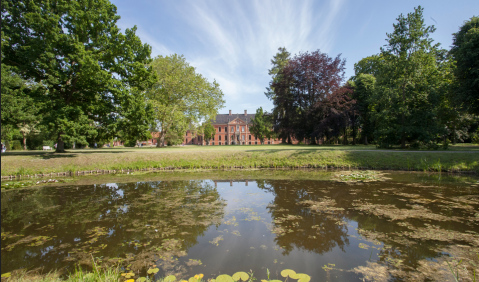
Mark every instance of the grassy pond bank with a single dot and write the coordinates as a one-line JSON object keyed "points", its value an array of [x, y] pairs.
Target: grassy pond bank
{"points": [[325, 225], [31, 163]]}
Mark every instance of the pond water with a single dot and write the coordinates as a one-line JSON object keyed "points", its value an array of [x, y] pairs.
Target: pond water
{"points": [[404, 227]]}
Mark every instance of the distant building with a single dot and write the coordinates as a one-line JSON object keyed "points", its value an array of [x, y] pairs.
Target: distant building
{"points": [[231, 129]]}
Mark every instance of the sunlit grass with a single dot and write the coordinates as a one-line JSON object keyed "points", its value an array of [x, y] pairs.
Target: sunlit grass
{"points": [[226, 157]]}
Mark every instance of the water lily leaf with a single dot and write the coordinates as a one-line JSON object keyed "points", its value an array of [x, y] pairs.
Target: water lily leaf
{"points": [[170, 278], [153, 271], [6, 275], [141, 279], [288, 272], [240, 275], [303, 277], [274, 281], [224, 278], [192, 279]]}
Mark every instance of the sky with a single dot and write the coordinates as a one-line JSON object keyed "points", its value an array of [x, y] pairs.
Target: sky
{"points": [[233, 41]]}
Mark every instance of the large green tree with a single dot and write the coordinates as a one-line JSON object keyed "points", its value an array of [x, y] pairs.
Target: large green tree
{"points": [[409, 84], [363, 86], [180, 96], [465, 50], [282, 112], [262, 126], [76, 53]]}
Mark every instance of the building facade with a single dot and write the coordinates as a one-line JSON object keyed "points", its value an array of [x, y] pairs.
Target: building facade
{"points": [[231, 129]]}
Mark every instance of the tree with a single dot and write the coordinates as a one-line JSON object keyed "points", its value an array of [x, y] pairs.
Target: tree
{"points": [[369, 65], [408, 89], [282, 113], [18, 108], [180, 96], [208, 132], [465, 50], [76, 53], [363, 91], [307, 81], [262, 125]]}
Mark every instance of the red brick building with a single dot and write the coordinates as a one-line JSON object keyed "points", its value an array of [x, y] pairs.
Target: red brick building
{"points": [[231, 129]]}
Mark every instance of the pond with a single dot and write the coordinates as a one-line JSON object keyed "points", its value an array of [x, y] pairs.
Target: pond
{"points": [[404, 226]]}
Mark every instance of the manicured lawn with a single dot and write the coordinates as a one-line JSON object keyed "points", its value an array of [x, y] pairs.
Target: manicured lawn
{"points": [[464, 158]]}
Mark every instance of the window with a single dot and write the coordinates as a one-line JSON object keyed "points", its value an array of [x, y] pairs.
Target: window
{"points": [[256, 143], [219, 143], [219, 138], [212, 143], [250, 137], [268, 142], [237, 128], [226, 128], [213, 137], [219, 128], [242, 128], [249, 143], [232, 128], [255, 138]]}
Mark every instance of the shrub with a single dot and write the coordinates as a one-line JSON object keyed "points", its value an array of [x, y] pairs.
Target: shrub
{"points": [[430, 145], [16, 145], [130, 143], [416, 145]]}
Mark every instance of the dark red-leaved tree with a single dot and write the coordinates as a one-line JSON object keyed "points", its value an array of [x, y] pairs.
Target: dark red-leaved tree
{"points": [[310, 84]]}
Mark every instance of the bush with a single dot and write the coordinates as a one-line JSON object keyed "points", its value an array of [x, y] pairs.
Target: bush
{"points": [[384, 145], [475, 137], [130, 143], [430, 145], [445, 144], [416, 145], [16, 145]]}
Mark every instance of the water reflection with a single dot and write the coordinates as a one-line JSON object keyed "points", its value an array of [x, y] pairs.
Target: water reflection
{"points": [[407, 228]]}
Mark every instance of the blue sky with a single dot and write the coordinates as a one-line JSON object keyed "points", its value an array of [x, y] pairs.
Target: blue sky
{"points": [[233, 41]]}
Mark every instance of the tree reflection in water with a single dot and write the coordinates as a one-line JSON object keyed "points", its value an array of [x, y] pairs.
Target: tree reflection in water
{"points": [[304, 219], [132, 224]]}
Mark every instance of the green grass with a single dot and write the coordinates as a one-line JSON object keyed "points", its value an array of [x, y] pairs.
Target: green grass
{"points": [[459, 158]]}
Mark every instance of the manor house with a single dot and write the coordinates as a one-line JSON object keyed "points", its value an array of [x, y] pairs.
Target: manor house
{"points": [[231, 129]]}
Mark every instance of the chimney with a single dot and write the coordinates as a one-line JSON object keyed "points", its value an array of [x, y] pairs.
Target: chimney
{"points": [[230, 112], [245, 112]]}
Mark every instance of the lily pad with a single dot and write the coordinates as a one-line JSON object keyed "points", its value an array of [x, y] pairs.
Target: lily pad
{"points": [[288, 272], [224, 278], [141, 279], [240, 275], [153, 271], [303, 277], [192, 279], [170, 278]]}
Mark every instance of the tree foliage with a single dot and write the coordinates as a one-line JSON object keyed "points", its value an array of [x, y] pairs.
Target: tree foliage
{"points": [[74, 51], [310, 83], [465, 50], [408, 90], [180, 96], [208, 131], [262, 125]]}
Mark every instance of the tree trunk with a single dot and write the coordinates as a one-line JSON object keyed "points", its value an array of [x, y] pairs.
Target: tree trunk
{"points": [[345, 140], [60, 144], [454, 134], [24, 141], [160, 141], [289, 139], [365, 140]]}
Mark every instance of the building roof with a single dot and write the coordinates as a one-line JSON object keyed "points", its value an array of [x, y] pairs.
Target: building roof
{"points": [[226, 118]]}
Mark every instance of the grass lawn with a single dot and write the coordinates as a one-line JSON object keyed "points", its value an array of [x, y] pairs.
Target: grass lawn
{"points": [[459, 157]]}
